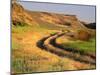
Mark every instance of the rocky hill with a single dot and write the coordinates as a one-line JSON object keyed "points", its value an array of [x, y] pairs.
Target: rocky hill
{"points": [[21, 15]]}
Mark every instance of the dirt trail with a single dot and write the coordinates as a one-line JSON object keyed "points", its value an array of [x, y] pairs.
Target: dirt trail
{"points": [[49, 44]]}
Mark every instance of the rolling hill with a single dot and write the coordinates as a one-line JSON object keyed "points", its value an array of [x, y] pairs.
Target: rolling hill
{"points": [[21, 15], [34, 36]]}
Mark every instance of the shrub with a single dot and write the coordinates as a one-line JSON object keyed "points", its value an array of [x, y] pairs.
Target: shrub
{"points": [[67, 23], [83, 35], [18, 23]]}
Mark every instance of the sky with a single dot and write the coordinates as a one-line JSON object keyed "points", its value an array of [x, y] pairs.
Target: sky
{"points": [[84, 12]]}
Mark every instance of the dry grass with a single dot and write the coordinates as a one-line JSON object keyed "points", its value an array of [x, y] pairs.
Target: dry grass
{"points": [[27, 57]]}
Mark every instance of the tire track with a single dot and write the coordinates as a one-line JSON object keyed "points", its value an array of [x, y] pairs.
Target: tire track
{"points": [[49, 44], [53, 42]]}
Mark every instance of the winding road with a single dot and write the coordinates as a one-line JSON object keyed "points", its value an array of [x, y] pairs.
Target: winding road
{"points": [[49, 44]]}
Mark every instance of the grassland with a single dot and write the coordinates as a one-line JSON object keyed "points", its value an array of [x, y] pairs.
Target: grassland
{"points": [[28, 28], [85, 46], [27, 57]]}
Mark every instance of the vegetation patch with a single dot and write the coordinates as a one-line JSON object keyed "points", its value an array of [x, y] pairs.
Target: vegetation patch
{"points": [[87, 46]]}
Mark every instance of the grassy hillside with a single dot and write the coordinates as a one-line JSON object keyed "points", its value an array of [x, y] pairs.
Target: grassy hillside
{"points": [[27, 57], [28, 27], [88, 46]]}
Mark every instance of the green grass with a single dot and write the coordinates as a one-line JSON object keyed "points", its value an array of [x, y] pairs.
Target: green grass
{"points": [[16, 45], [22, 29], [87, 46], [27, 28]]}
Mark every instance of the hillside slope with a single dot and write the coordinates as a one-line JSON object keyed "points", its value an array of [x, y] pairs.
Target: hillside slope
{"points": [[28, 28], [21, 15]]}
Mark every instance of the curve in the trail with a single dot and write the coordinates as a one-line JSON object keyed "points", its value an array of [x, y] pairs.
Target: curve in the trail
{"points": [[48, 43], [54, 43]]}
